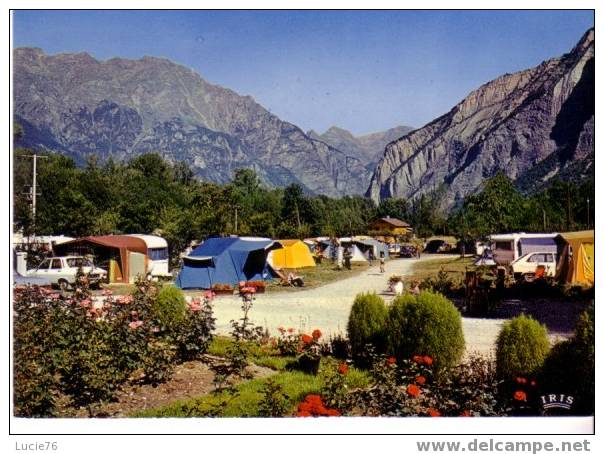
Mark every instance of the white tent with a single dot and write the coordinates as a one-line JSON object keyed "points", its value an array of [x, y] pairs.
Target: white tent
{"points": [[357, 255]]}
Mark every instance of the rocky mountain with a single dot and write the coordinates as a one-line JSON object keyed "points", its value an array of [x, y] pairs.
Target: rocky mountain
{"points": [[532, 125], [367, 148], [119, 108]]}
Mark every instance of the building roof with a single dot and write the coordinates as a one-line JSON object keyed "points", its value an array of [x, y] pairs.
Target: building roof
{"points": [[395, 222]]}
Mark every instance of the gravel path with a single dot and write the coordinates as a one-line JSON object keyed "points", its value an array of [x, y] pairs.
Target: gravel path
{"points": [[327, 307]]}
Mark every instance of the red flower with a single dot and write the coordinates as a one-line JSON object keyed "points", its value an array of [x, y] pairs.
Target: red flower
{"points": [[303, 414], [520, 395], [533, 383], [413, 390], [418, 359], [305, 406], [428, 360], [281, 330], [521, 380], [316, 334], [314, 398], [420, 379], [343, 368], [465, 413], [434, 412], [306, 339], [391, 360], [290, 330], [333, 412]]}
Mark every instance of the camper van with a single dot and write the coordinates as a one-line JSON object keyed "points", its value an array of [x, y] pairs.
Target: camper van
{"points": [[157, 255], [509, 247]]}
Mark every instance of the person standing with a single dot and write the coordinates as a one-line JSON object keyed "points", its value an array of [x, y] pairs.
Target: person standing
{"points": [[382, 263]]}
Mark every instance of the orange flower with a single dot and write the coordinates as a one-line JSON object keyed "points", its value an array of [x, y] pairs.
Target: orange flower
{"points": [[520, 395], [391, 360], [418, 359], [427, 360], [413, 390], [314, 398], [316, 334], [434, 412], [343, 368], [465, 413], [306, 339], [420, 379]]}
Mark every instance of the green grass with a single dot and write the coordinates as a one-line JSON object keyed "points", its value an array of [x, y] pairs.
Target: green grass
{"points": [[296, 385], [262, 356], [455, 267], [317, 276]]}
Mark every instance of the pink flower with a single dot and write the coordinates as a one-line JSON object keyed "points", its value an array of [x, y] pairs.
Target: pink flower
{"points": [[135, 325], [107, 292], [85, 303], [55, 296], [194, 307], [208, 294], [125, 299]]}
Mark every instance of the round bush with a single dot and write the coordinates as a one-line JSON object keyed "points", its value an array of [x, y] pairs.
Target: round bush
{"points": [[522, 346], [570, 367], [170, 307], [366, 323], [427, 324]]}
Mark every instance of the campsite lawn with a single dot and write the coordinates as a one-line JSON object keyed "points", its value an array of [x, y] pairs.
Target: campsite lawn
{"points": [[245, 401], [454, 266], [317, 276]]}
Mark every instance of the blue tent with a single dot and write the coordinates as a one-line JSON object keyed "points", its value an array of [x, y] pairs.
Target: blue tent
{"points": [[225, 261]]}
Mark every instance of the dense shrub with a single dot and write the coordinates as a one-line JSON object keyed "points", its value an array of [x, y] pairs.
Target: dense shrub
{"points": [[366, 323], [170, 307], [68, 345], [427, 324], [522, 346], [569, 368], [195, 332]]}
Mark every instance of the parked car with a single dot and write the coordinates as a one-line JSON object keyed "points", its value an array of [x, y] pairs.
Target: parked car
{"points": [[62, 271], [525, 267], [31, 280]]}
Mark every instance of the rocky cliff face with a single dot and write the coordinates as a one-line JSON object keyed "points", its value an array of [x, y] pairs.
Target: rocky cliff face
{"points": [[531, 125], [367, 148], [77, 105]]}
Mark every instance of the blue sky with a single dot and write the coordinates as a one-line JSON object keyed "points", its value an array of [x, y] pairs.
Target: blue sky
{"points": [[360, 70]]}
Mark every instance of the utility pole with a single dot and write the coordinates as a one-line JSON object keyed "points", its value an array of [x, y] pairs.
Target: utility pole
{"points": [[235, 219], [34, 188]]}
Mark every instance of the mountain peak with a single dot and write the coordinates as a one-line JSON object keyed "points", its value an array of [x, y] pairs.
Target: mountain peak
{"points": [[531, 125]]}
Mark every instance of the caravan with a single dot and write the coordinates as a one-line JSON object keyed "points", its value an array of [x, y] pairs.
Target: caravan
{"points": [[157, 255], [509, 247]]}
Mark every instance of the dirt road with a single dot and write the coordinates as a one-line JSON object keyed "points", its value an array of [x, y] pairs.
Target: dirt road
{"points": [[327, 307]]}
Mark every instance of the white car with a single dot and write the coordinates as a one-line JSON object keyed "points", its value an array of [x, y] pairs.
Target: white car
{"points": [[62, 271], [525, 267]]}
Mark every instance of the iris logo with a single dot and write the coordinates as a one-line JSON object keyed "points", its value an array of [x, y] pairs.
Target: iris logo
{"points": [[557, 401]]}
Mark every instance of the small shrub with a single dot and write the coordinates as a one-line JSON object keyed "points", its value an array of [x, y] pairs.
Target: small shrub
{"points": [[339, 347], [427, 324], [366, 323], [170, 307], [522, 346], [570, 367], [274, 402], [194, 334]]}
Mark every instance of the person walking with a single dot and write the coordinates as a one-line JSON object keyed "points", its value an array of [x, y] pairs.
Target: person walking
{"points": [[382, 263]]}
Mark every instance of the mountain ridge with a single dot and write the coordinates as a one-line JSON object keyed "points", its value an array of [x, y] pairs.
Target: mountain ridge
{"points": [[513, 123], [78, 105]]}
